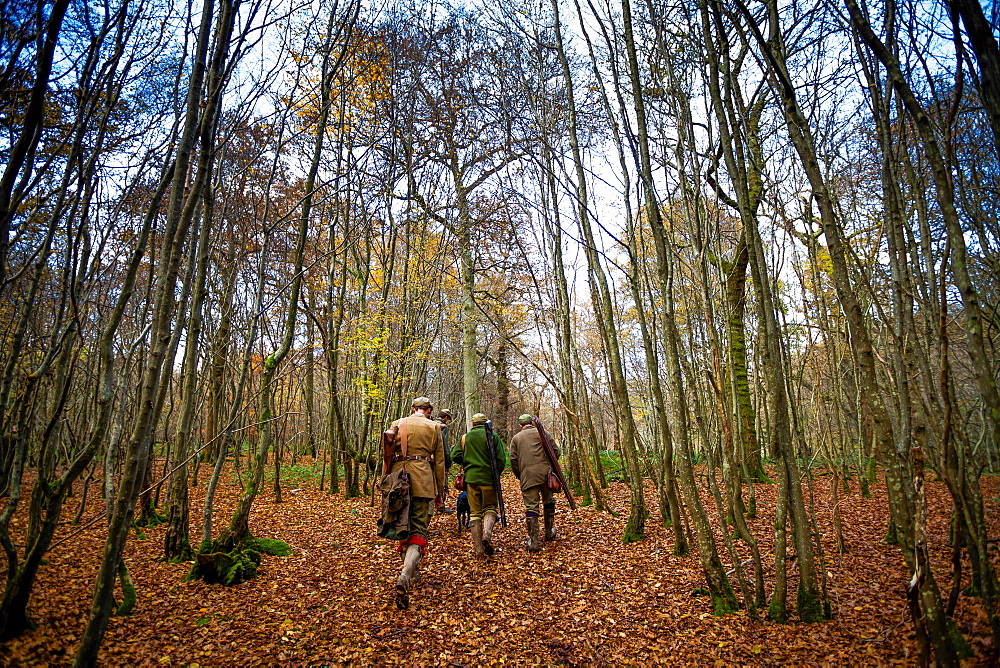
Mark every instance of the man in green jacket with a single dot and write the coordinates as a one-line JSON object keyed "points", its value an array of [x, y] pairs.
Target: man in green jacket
{"points": [[471, 453]]}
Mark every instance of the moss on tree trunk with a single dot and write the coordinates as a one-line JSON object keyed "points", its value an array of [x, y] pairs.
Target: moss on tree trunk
{"points": [[128, 592]]}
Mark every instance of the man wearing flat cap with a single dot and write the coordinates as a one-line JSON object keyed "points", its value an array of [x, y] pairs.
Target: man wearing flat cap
{"points": [[531, 466], [419, 451], [472, 454]]}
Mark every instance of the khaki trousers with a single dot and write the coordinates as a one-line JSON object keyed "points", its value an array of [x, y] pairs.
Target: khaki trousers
{"points": [[530, 497], [482, 500], [420, 515]]}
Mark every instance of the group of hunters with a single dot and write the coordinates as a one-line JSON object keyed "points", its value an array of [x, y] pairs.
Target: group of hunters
{"points": [[414, 482]]}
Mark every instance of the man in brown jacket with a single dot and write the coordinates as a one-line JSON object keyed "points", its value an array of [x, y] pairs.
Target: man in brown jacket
{"points": [[420, 451], [531, 466]]}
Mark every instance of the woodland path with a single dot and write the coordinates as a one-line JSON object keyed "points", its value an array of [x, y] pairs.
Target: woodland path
{"points": [[586, 599]]}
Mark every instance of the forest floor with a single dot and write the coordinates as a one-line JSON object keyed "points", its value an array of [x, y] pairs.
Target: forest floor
{"points": [[586, 599]]}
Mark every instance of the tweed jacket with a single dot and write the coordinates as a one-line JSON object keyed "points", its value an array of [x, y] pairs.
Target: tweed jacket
{"points": [[423, 439], [527, 458]]}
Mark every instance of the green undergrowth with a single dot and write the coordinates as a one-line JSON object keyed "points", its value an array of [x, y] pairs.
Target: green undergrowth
{"points": [[302, 473], [614, 467]]}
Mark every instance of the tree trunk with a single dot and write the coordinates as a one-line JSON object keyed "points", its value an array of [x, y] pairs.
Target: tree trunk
{"points": [[635, 529], [22, 151], [176, 230], [177, 542]]}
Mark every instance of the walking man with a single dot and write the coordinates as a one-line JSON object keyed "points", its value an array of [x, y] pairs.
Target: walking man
{"points": [[444, 419], [531, 466], [419, 450], [472, 454]]}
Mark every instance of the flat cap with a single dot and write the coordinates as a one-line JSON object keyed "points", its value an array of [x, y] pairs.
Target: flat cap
{"points": [[445, 412], [421, 402], [525, 419], [478, 418]]}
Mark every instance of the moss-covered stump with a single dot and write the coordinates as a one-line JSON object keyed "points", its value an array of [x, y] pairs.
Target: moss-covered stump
{"points": [[776, 612], [724, 603], [228, 568], [229, 564], [809, 606], [633, 534], [891, 534], [635, 530], [149, 518]]}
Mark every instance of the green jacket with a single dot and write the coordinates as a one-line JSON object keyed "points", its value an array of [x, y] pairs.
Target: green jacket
{"points": [[470, 453]]}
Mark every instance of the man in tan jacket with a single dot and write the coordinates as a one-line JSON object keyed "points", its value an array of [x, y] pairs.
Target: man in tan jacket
{"points": [[531, 466], [420, 451]]}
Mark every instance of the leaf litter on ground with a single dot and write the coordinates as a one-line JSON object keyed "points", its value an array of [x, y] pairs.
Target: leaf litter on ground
{"points": [[585, 599]]}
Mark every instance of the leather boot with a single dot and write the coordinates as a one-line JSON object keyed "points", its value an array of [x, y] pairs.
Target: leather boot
{"points": [[550, 515], [532, 544], [489, 519], [477, 540], [409, 576]]}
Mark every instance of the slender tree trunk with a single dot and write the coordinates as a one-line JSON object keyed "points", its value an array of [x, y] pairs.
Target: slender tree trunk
{"points": [[176, 230], [984, 45], [310, 383], [467, 276], [564, 331], [177, 542], [983, 368], [635, 529], [723, 597], [20, 157]]}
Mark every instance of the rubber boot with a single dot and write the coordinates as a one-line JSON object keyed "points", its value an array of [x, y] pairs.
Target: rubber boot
{"points": [[409, 576], [550, 516], [532, 544], [477, 540], [489, 519]]}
